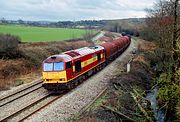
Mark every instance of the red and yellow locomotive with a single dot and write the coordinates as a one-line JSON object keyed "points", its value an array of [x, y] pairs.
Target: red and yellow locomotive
{"points": [[62, 71], [65, 70]]}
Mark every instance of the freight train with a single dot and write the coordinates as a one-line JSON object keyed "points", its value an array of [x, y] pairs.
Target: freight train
{"points": [[68, 69]]}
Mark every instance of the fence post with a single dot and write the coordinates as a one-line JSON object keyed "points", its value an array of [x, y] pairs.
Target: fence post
{"points": [[128, 67], [129, 64]]}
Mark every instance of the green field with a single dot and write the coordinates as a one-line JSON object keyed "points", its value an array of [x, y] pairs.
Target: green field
{"points": [[42, 34]]}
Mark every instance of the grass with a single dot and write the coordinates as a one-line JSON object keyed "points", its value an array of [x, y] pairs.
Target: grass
{"points": [[42, 34]]}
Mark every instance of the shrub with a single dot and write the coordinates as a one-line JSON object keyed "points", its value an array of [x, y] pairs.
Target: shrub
{"points": [[10, 70], [35, 56], [9, 46], [147, 34], [168, 92], [150, 56], [52, 50]]}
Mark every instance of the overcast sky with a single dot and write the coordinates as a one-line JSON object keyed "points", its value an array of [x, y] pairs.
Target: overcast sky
{"points": [[60, 10]]}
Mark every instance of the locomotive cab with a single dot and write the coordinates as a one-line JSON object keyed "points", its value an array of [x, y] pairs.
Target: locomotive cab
{"points": [[55, 70], [61, 72]]}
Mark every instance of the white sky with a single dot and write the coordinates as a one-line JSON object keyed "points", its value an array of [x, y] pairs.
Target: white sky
{"points": [[60, 10]]}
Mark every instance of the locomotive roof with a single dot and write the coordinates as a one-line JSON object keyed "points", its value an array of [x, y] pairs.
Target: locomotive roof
{"points": [[84, 51], [96, 47], [72, 54], [58, 58]]}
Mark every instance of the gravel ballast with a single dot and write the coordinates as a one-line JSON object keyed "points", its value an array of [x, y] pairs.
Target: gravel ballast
{"points": [[73, 102], [22, 102]]}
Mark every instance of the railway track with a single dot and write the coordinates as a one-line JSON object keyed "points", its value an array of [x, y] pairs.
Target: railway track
{"points": [[31, 108], [43, 106], [20, 93], [24, 102], [23, 112]]}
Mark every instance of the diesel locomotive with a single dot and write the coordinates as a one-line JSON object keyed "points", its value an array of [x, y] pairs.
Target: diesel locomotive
{"points": [[68, 69]]}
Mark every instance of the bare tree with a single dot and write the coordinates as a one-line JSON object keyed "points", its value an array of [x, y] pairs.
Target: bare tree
{"points": [[163, 22]]}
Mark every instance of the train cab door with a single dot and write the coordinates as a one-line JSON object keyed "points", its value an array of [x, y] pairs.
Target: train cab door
{"points": [[77, 66], [69, 70], [99, 57]]}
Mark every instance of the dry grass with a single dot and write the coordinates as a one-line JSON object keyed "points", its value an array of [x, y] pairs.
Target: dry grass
{"points": [[140, 58], [9, 70], [27, 78], [146, 46], [4, 63], [61, 44], [109, 34], [105, 39]]}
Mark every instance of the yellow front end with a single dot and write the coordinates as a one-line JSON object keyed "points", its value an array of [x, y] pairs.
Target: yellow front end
{"points": [[55, 77]]}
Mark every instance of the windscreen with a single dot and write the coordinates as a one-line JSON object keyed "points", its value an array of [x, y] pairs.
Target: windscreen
{"points": [[48, 66], [58, 66]]}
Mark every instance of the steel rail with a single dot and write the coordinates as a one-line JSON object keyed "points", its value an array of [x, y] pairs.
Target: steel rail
{"points": [[19, 96], [24, 108], [37, 110], [28, 87]]}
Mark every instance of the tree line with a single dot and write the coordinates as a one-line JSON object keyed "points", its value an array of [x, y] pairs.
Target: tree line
{"points": [[87, 24]]}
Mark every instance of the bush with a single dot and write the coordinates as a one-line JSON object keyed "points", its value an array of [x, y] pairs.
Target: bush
{"points": [[147, 34], [52, 50], [35, 56], [9, 46], [168, 92], [10, 70], [151, 57]]}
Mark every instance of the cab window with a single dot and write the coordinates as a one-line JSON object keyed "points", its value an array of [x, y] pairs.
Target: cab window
{"points": [[68, 65], [48, 66], [58, 66]]}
